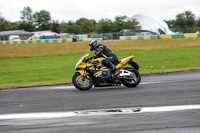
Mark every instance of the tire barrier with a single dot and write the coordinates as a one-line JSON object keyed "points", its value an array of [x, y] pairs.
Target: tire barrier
{"points": [[46, 41], [187, 35]]}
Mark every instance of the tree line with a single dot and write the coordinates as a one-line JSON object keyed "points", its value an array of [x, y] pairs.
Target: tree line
{"points": [[184, 20], [42, 20]]}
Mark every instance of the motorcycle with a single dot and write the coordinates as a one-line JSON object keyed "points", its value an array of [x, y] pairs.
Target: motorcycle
{"points": [[89, 73]]}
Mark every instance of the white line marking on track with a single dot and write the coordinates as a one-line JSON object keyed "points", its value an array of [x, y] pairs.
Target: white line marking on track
{"points": [[50, 115], [146, 83], [169, 108]]}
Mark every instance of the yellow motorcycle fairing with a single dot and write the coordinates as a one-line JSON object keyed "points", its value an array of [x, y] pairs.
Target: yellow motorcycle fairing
{"points": [[124, 62], [102, 68], [80, 66], [99, 59]]}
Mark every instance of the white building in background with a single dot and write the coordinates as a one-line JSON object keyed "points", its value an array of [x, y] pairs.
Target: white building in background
{"points": [[152, 24]]}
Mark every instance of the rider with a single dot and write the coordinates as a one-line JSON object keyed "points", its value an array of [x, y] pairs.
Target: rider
{"points": [[103, 51]]}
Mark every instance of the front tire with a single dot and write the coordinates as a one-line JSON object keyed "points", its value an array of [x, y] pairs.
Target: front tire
{"points": [[134, 80], [82, 84]]}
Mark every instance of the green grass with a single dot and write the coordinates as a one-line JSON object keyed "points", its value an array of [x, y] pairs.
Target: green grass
{"points": [[49, 70], [166, 60]]}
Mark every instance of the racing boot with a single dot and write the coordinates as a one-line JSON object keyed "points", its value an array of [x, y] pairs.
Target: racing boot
{"points": [[114, 69], [117, 72]]}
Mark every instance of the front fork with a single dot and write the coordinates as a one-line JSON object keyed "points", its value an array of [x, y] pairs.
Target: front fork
{"points": [[84, 75]]}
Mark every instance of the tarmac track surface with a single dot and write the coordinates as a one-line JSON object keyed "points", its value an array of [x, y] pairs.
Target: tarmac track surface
{"points": [[108, 109]]}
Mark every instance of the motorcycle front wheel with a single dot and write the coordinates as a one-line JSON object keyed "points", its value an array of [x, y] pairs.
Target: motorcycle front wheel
{"points": [[80, 83], [132, 81]]}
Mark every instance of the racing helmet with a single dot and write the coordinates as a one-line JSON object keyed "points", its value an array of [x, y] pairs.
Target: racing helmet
{"points": [[93, 44]]}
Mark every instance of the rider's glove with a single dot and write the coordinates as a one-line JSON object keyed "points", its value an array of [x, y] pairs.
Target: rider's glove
{"points": [[90, 58]]}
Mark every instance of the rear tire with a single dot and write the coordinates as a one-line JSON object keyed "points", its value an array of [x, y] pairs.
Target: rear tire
{"points": [[80, 84], [134, 81]]}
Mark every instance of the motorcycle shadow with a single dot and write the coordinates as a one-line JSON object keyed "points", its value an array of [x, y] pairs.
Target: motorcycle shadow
{"points": [[109, 88]]}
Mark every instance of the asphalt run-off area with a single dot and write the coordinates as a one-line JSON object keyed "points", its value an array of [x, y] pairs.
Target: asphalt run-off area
{"points": [[161, 103]]}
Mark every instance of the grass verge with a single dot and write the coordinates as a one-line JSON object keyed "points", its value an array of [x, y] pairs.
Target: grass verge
{"points": [[30, 50], [50, 70]]}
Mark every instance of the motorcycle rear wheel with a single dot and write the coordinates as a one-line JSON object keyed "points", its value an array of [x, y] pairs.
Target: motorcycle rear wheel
{"points": [[134, 81], [81, 84]]}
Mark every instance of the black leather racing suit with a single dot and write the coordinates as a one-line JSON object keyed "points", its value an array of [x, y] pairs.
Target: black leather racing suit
{"points": [[110, 57]]}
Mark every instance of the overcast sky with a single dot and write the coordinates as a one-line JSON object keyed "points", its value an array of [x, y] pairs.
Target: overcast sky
{"points": [[65, 10]]}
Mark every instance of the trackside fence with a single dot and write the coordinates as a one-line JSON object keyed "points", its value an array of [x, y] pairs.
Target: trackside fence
{"points": [[47, 41], [187, 35], [148, 37]]}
